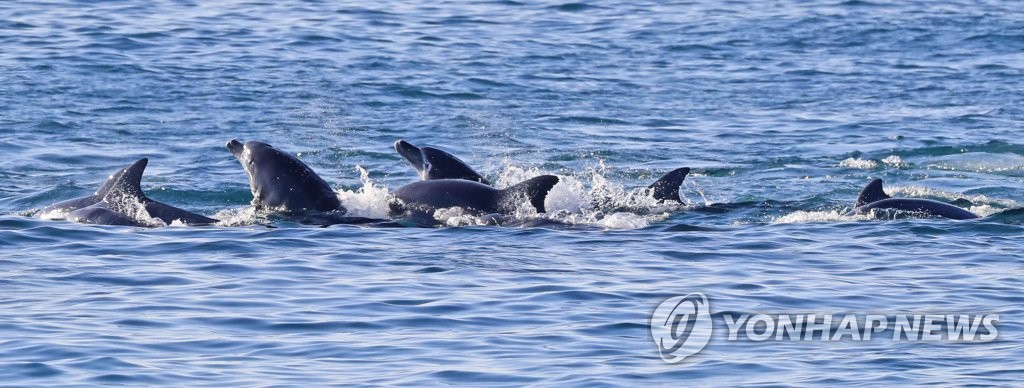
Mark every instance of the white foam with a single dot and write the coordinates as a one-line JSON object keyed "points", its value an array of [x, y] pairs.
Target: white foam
{"points": [[455, 216], [136, 210], [985, 210], [894, 161], [863, 164], [239, 216], [55, 214], [800, 217], [623, 220]]}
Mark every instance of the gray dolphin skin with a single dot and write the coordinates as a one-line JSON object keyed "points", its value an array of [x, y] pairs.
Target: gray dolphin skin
{"points": [[123, 199], [474, 197], [432, 163], [282, 182], [873, 196]]}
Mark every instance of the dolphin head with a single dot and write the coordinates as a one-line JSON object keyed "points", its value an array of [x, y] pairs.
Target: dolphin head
{"points": [[433, 163], [414, 156], [280, 181]]}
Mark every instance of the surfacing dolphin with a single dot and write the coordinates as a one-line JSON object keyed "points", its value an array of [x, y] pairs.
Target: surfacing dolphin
{"points": [[282, 182], [124, 203], [433, 164], [874, 197], [474, 197], [284, 185]]}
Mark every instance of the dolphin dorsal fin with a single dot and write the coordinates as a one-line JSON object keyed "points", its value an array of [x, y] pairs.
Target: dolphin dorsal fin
{"points": [[111, 181], [535, 189], [873, 192], [128, 183], [667, 188]]}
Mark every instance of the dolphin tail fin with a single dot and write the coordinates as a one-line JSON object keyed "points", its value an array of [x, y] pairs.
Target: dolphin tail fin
{"points": [[129, 183], [667, 188], [535, 189], [873, 192]]}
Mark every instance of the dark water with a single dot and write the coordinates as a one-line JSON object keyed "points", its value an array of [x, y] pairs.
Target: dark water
{"points": [[784, 110]]}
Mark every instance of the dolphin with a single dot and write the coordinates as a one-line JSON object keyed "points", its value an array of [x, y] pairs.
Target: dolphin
{"points": [[474, 197], [282, 182], [874, 197], [432, 163], [123, 202]]}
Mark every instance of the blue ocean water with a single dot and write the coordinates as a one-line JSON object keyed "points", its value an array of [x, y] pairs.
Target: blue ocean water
{"points": [[784, 110]]}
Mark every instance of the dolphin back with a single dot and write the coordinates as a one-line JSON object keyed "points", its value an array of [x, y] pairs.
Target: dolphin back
{"points": [[99, 214], [919, 205]]}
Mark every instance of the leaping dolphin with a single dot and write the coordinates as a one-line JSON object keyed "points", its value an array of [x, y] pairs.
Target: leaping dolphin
{"points": [[124, 203], [874, 197]]}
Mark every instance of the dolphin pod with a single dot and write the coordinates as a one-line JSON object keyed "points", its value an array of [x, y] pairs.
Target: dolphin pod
{"points": [[436, 164], [283, 184]]}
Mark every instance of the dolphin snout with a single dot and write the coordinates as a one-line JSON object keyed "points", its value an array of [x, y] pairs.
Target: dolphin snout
{"points": [[410, 152], [403, 147], [236, 147]]}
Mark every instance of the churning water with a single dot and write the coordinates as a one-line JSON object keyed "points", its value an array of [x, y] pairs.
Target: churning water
{"points": [[784, 110]]}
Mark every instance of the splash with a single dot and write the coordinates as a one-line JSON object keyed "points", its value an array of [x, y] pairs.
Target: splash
{"points": [[53, 215], [240, 217], [801, 217], [863, 164], [137, 210], [623, 220], [370, 200], [456, 216], [868, 164], [895, 161], [592, 199]]}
